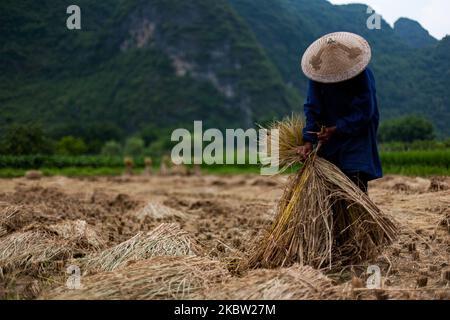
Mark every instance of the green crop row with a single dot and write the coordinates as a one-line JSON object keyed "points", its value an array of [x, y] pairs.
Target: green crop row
{"points": [[426, 162], [431, 158]]}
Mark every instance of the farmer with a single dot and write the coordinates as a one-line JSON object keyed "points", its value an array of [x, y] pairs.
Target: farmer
{"points": [[341, 106]]}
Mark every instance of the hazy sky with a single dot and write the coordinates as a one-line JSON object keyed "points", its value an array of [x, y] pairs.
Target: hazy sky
{"points": [[433, 15]]}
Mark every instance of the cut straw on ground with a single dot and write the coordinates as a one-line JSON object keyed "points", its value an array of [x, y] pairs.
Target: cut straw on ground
{"points": [[294, 283], [30, 252], [290, 136], [162, 277], [165, 240], [156, 210], [80, 232], [14, 217], [445, 221], [40, 248]]}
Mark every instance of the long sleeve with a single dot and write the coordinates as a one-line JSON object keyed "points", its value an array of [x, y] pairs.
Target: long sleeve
{"points": [[312, 112], [362, 109], [352, 107]]}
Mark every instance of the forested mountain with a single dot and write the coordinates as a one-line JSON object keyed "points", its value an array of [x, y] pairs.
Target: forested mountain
{"points": [[413, 33], [135, 65], [147, 66]]}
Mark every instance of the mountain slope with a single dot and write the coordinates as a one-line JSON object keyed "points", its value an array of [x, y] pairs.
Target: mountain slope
{"points": [[154, 65], [136, 64], [413, 33]]}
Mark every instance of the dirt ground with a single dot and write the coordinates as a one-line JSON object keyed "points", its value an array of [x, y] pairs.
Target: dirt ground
{"points": [[225, 213]]}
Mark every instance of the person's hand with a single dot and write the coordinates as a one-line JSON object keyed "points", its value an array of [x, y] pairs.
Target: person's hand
{"points": [[305, 150], [325, 135]]}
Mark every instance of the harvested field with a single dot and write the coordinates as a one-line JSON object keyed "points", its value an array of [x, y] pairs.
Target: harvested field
{"points": [[296, 283], [164, 240], [133, 235], [162, 277]]}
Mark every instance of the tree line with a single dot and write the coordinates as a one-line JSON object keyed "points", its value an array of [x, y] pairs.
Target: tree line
{"points": [[404, 133]]}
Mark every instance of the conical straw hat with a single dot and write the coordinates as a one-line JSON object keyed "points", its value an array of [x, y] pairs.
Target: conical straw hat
{"points": [[336, 57]]}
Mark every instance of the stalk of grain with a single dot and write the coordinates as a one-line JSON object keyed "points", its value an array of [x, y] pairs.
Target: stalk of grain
{"points": [[323, 219]]}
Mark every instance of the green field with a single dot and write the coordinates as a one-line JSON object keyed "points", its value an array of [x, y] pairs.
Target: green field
{"points": [[411, 163], [417, 163]]}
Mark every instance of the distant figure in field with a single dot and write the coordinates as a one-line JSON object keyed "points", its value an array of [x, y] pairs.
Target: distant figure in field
{"points": [[341, 107], [148, 166], [165, 165], [129, 164]]}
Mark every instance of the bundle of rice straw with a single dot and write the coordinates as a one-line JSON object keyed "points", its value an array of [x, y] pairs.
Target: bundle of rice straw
{"points": [[165, 240], [445, 221], [40, 247], [323, 219], [80, 232], [7, 216], [30, 251], [162, 277], [156, 210], [14, 217], [33, 175], [294, 283]]}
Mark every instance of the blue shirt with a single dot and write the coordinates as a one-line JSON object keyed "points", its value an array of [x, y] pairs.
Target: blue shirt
{"points": [[352, 107]]}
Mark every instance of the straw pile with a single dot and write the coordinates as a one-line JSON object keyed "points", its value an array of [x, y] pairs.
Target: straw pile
{"points": [[14, 217], [129, 164], [445, 222], [148, 166], [33, 175], [79, 232], [294, 283], [162, 277], [165, 240], [438, 184], [156, 210], [40, 248], [323, 219], [30, 251], [7, 216]]}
